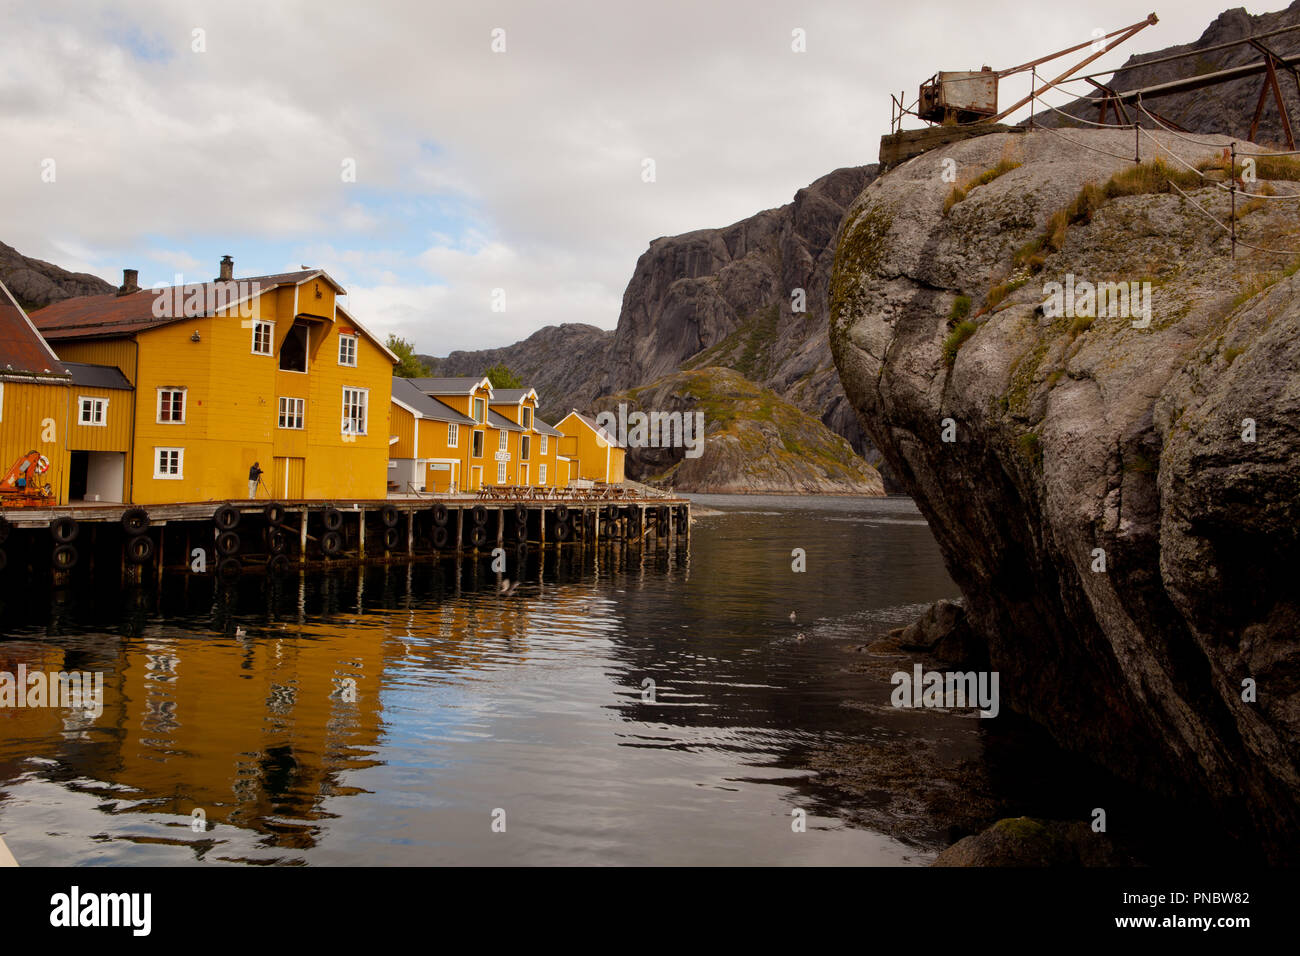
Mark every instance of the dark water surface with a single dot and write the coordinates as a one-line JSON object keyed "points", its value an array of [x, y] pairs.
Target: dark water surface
{"points": [[239, 703]]}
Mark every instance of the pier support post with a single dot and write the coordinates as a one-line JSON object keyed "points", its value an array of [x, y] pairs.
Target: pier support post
{"points": [[501, 527], [361, 534], [302, 538], [460, 529], [410, 534]]}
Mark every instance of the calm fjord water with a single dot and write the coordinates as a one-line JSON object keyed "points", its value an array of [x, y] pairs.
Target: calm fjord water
{"points": [[239, 704]]}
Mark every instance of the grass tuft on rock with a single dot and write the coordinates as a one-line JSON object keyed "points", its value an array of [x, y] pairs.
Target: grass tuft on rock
{"points": [[959, 334]]}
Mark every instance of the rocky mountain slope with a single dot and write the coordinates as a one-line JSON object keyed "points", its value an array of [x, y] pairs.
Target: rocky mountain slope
{"points": [[35, 283], [730, 290], [756, 442], [1079, 439], [1227, 108], [711, 297], [565, 363]]}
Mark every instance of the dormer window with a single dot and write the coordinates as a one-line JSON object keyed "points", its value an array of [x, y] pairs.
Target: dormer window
{"points": [[528, 417], [480, 409]]}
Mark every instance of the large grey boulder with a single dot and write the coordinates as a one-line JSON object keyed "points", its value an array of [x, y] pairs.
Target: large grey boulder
{"points": [[1076, 439]]}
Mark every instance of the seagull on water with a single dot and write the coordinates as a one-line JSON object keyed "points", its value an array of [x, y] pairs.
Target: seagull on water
{"points": [[507, 588]]}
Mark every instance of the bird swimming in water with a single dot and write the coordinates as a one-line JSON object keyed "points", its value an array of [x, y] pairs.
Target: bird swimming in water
{"points": [[240, 632], [799, 637], [792, 617], [507, 588]]}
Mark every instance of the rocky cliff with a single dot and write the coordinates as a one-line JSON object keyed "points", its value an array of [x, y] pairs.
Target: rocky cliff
{"points": [[756, 443], [35, 283], [724, 297], [1226, 108], [720, 297], [1126, 554]]}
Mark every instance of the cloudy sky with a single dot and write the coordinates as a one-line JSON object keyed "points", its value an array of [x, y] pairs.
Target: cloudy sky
{"points": [[179, 132]]}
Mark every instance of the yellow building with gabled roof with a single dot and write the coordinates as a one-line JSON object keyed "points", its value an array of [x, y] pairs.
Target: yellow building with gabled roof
{"points": [[594, 453], [272, 370]]}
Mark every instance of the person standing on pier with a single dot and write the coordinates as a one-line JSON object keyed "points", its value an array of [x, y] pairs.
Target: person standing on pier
{"points": [[254, 475]]}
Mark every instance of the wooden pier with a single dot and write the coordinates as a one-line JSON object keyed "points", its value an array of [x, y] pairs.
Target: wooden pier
{"points": [[229, 538]]}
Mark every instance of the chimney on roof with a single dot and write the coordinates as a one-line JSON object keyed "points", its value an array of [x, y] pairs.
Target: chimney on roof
{"points": [[130, 281], [227, 269]]}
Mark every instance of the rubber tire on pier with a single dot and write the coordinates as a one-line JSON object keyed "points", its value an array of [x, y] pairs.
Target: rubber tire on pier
{"points": [[521, 512], [392, 538], [274, 514], [139, 549], [480, 515], [135, 521], [561, 512], [611, 512], [64, 530], [633, 522], [683, 515], [5, 527], [390, 516], [226, 518], [440, 513], [229, 567], [331, 543], [276, 540], [662, 517], [65, 557], [478, 536], [561, 530], [227, 544], [521, 552], [440, 537], [278, 564], [332, 519]]}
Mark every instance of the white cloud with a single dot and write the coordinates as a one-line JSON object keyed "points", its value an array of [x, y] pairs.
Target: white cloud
{"points": [[474, 170]]}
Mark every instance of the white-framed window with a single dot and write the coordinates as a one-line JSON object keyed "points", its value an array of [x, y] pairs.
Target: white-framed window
{"points": [[354, 410], [169, 463], [453, 435], [171, 406], [523, 447], [478, 444], [501, 473], [263, 337], [292, 411], [542, 448], [94, 411], [541, 474], [348, 350], [480, 410], [528, 417], [504, 444]]}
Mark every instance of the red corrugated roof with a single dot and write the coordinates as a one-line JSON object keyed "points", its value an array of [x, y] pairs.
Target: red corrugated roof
{"points": [[21, 347], [90, 316]]}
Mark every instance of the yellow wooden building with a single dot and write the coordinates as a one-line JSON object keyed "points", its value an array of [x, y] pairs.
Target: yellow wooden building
{"points": [[270, 370], [471, 397], [429, 444], [35, 413], [594, 454]]}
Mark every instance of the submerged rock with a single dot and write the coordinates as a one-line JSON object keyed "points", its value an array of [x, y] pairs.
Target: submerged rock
{"points": [[1024, 841], [940, 632], [1127, 558]]}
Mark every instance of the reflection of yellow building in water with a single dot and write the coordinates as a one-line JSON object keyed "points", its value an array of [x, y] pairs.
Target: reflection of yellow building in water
{"points": [[258, 731]]}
